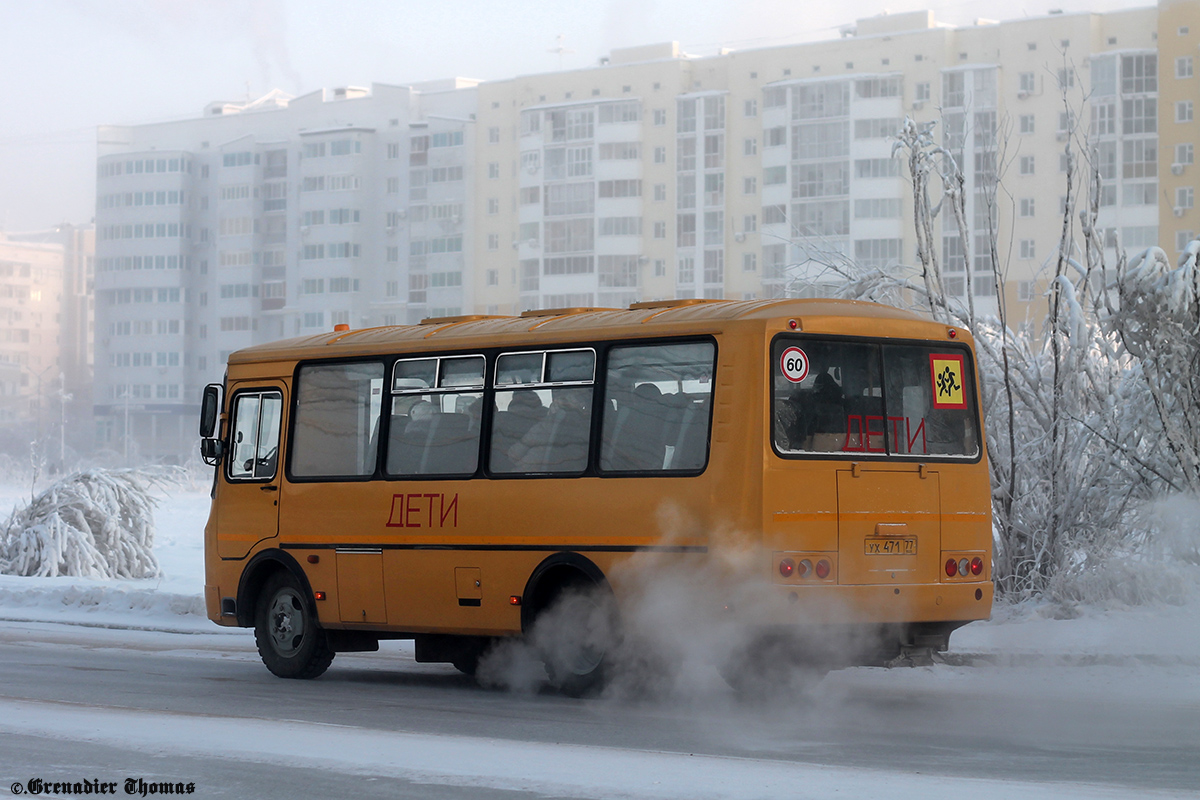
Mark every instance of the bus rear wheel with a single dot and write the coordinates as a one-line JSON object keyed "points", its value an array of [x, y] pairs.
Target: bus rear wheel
{"points": [[290, 642], [576, 636]]}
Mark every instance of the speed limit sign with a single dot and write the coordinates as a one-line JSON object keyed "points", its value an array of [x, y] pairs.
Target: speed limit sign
{"points": [[794, 364]]}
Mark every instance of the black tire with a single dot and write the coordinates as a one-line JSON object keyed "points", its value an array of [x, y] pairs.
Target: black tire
{"points": [[290, 642], [576, 636]]}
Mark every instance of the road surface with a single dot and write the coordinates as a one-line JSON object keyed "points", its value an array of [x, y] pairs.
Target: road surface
{"points": [[80, 703]]}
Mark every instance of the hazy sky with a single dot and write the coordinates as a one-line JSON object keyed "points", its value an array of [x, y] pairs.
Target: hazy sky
{"points": [[67, 66]]}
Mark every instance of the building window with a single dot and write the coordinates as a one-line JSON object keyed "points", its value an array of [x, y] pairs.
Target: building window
{"points": [[750, 147], [1185, 197], [750, 185], [1183, 239], [1139, 73], [750, 223], [774, 176], [1026, 165], [660, 192], [660, 117], [1184, 153], [493, 241], [1183, 67], [493, 205], [1026, 123], [1027, 207], [750, 108], [1028, 81], [660, 230], [1027, 249], [1183, 111], [749, 262], [660, 267], [493, 277], [660, 155], [493, 135]]}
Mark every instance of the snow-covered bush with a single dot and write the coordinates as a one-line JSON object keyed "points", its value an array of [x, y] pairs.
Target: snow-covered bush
{"points": [[95, 524]]}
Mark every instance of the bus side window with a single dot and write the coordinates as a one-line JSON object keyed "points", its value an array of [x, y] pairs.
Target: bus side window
{"points": [[543, 411], [657, 407], [434, 424], [337, 414]]}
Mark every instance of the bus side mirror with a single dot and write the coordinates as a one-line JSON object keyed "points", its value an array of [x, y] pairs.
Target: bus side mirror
{"points": [[211, 450], [210, 407]]}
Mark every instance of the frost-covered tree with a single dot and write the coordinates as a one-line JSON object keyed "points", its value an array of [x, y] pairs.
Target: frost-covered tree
{"points": [[1157, 316], [94, 524]]}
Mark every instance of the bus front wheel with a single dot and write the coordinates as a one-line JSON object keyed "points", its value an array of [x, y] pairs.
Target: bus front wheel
{"points": [[290, 642]]}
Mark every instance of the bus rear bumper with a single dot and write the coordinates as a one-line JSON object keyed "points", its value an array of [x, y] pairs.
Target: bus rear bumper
{"points": [[900, 604]]}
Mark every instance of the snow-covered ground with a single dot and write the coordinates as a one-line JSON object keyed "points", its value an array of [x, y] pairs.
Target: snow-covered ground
{"points": [[174, 601], [1147, 657]]}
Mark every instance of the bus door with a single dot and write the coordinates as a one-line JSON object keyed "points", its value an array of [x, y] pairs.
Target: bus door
{"points": [[248, 505]]}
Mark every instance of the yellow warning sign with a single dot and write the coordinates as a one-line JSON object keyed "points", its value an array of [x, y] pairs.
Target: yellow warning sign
{"points": [[948, 376]]}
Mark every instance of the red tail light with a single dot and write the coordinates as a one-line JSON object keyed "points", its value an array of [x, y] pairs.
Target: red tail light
{"points": [[951, 568], [787, 567], [976, 566], [822, 569]]}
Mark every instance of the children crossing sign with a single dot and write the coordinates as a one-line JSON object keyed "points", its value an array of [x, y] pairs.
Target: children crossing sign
{"points": [[947, 375]]}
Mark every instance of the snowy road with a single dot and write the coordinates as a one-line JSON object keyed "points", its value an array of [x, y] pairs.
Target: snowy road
{"points": [[79, 703]]}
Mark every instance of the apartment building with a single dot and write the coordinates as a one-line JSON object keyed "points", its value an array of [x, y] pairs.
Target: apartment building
{"points": [[654, 174], [75, 313], [266, 219], [31, 367], [764, 172]]}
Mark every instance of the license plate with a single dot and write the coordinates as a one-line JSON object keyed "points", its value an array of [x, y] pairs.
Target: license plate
{"points": [[891, 546]]}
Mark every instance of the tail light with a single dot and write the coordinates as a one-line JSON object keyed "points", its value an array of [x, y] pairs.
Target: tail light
{"points": [[787, 567], [951, 568], [822, 569], [805, 568], [964, 566], [976, 566]]}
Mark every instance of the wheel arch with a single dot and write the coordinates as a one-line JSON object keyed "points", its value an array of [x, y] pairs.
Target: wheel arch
{"points": [[548, 578], [260, 568]]}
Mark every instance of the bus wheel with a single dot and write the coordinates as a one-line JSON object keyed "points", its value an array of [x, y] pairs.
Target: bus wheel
{"points": [[289, 640], [576, 636]]}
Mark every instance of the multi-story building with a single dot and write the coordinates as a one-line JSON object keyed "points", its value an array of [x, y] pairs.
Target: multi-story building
{"points": [[75, 313], [269, 219], [764, 172], [31, 365], [654, 174]]}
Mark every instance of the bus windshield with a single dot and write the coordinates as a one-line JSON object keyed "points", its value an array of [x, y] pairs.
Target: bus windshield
{"points": [[856, 398]]}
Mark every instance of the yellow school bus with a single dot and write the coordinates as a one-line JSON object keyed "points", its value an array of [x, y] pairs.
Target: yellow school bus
{"points": [[454, 481]]}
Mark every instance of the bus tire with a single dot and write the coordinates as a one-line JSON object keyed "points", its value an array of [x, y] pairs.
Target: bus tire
{"points": [[290, 642], [576, 636]]}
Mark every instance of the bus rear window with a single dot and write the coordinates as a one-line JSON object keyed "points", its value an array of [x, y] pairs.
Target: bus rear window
{"points": [[853, 398]]}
